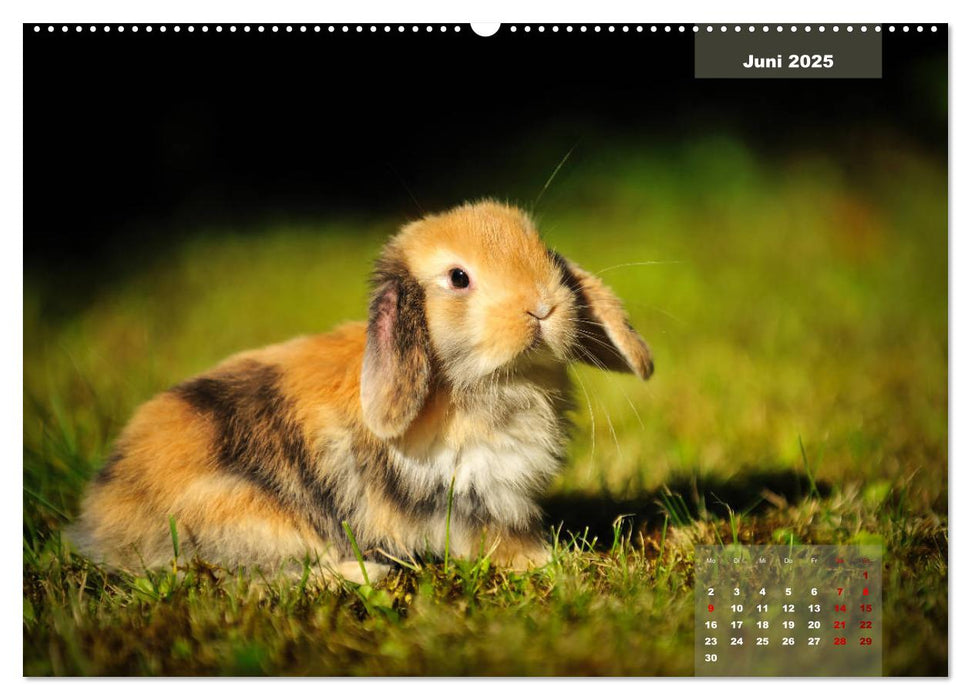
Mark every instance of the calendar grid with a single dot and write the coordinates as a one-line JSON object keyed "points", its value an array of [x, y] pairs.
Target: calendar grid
{"points": [[775, 610]]}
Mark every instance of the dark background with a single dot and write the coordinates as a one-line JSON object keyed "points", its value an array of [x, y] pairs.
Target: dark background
{"points": [[132, 137]]}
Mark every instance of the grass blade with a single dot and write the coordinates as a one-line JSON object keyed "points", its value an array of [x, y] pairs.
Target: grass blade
{"points": [[448, 520], [357, 551]]}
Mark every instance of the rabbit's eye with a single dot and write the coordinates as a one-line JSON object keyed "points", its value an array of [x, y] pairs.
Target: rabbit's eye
{"points": [[458, 278]]}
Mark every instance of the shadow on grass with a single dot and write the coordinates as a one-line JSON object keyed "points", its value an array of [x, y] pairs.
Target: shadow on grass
{"points": [[682, 500]]}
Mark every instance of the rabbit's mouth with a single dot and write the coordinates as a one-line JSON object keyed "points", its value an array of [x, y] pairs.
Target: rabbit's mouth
{"points": [[538, 340], [541, 350]]}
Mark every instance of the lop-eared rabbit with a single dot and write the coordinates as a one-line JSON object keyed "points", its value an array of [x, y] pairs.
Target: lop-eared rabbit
{"points": [[455, 389]]}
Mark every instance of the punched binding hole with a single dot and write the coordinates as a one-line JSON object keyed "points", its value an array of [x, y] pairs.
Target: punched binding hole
{"points": [[485, 29]]}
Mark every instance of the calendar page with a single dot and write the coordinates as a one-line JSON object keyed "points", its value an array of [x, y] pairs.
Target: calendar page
{"points": [[388, 346], [788, 611]]}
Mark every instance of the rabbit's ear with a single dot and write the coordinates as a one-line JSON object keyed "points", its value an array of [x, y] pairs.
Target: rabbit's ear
{"points": [[605, 337], [396, 372]]}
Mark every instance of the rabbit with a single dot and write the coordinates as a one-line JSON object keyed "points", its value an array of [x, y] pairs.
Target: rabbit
{"points": [[442, 416]]}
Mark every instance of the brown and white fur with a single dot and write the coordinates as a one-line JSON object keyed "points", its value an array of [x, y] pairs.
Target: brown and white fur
{"points": [[261, 459]]}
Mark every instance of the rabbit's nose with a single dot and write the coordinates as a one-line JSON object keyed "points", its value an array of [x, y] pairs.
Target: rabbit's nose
{"points": [[542, 311]]}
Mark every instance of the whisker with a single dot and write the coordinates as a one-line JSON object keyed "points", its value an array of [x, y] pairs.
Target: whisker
{"points": [[596, 340], [657, 309], [556, 170], [634, 409], [639, 264], [407, 189], [580, 333], [613, 433], [591, 322], [593, 421], [603, 407], [596, 363], [591, 358], [668, 314]]}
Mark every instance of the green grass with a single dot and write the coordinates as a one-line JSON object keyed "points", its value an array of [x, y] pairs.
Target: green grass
{"points": [[797, 308]]}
